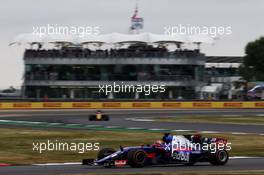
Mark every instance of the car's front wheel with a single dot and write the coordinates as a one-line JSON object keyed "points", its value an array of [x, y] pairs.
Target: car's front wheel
{"points": [[136, 158]]}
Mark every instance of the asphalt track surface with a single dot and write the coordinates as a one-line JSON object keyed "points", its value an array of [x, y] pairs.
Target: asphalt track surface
{"points": [[124, 118], [232, 165], [119, 118]]}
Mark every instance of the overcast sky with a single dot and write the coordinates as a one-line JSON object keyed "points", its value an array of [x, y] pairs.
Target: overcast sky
{"points": [[19, 16]]}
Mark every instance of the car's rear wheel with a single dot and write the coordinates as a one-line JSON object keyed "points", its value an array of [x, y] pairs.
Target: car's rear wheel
{"points": [[92, 117], [191, 162], [219, 158], [105, 152], [136, 158], [105, 118]]}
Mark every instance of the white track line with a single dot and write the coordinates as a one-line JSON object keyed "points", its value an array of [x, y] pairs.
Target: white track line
{"points": [[54, 164], [74, 124], [157, 129], [55, 123], [112, 127], [243, 157], [5, 120], [38, 122], [140, 120], [135, 128], [259, 115], [210, 132], [79, 163], [231, 115], [239, 133], [92, 126], [181, 130], [130, 128], [12, 115]]}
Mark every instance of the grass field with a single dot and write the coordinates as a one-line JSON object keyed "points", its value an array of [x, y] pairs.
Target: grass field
{"points": [[246, 120], [16, 144]]}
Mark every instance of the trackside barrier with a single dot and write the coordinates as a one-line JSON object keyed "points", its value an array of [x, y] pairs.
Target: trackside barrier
{"points": [[130, 105]]}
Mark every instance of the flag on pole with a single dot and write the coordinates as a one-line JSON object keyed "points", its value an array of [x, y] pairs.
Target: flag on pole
{"points": [[136, 22]]}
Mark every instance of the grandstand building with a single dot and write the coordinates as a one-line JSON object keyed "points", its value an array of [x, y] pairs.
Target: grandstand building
{"points": [[222, 69], [75, 67], [74, 71], [68, 70]]}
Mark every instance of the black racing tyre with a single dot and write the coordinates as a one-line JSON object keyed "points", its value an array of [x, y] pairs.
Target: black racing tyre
{"points": [[105, 117], [219, 158], [92, 117], [105, 152], [191, 162], [136, 158]]}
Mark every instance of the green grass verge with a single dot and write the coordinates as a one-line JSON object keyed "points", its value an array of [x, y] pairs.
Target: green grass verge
{"points": [[16, 143], [246, 120]]}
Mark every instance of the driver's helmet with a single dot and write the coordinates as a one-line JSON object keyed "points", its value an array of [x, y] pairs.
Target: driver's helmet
{"points": [[167, 138], [196, 138], [98, 112]]}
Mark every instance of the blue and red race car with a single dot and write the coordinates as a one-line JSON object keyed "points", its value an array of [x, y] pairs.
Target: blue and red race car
{"points": [[172, 149]]}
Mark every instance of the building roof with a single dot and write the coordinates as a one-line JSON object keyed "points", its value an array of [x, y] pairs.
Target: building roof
{"points": [[112, 38], [224, 59], [222, 65]]}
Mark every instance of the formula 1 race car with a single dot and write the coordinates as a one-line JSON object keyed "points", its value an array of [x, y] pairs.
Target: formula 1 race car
{"points": [[177, 149], [99, 117]]}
